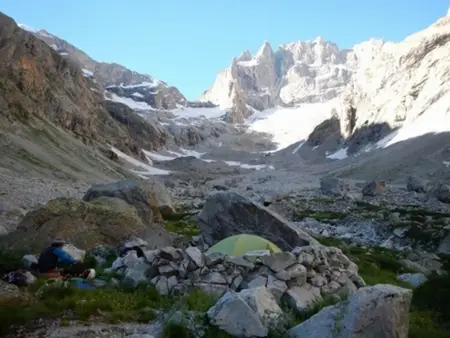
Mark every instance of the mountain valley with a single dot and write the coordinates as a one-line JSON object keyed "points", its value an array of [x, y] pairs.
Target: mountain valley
{"points": [[308, 143]]}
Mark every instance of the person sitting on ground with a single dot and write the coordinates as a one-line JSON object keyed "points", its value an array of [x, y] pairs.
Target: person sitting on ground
{"points": [[54, 260]]}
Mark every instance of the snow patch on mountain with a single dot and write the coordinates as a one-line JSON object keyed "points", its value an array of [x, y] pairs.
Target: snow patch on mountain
{"points": [[148, 170], [135, 105], [291, 125], [189, 112]]}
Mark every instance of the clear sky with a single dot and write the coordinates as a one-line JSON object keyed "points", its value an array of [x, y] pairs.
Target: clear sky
{"points": [[186, 42]]}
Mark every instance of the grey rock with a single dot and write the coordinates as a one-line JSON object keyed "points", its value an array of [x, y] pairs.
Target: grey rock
{"points": [[400, 232], [417, 184], [443, 193], [245, 314], [74, 252], [214, 258], [162, 197], [379, 311], [302, 298], [330, 288], [444, 246], [136, 274], [295, 272], [172, 282], [236, 283], [162, 286], [134, 193], [257, 282], [318, 281], [413, 279], [240, 261], [151, 255], [279, 261], [276, 287], [256, 254], [196, 256], [228, 213], [167, 270], [27, 260], [374, 188], [214, 278], [170, 253], [333, 186]]}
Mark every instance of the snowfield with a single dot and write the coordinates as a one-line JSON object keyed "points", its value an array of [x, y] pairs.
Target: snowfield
{"points": [[291, 125]]}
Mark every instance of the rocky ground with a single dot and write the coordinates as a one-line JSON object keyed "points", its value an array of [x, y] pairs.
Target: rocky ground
{"points": [[384, 234]]}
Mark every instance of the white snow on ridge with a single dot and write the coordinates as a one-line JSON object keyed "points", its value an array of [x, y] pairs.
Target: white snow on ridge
{"points": [[87, 73], [138, 105], [338, 155], [433, 121], [137, 95], [290, 125], [298, 147], [209, 113], [27, 28], [145, 84], [249, 166], [148, 169]]}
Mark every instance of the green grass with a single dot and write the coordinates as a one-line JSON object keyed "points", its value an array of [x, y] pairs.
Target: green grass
{"points": [[110, 305], [368, 206], [318, 215], [430, 312], [182, 227]]}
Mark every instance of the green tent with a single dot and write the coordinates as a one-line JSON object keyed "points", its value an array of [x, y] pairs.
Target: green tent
{"points": [[239, 245]]}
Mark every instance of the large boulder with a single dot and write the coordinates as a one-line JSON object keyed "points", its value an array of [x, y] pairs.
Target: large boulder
{"points": [[333, 186], [443, 193], [137, 194], [248, 313], [162, 197], [417, 184], [228, 213], [379, 311], [81, 223]]}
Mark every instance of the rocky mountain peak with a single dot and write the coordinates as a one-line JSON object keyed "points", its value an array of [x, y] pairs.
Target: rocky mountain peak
{"points": [[245, 56], [265, 52], [114, 77], [304, 71]]}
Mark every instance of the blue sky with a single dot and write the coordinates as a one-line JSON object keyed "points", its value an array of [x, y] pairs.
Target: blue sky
{"points": [[186, 42]]}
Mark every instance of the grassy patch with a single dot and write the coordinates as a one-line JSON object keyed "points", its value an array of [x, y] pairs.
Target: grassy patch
{"points": [[322, 200], [318, 215], [430, 313], [111, 305], [368, 206], [176, 330], [183, 227]]}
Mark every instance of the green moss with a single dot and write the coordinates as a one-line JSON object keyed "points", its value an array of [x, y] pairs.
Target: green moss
{"points": [[323, 200], [332, 241], [183, 227], [175, 330], [318, 215], [424, 324], [368, 206], [198, 300], [434, 297]]}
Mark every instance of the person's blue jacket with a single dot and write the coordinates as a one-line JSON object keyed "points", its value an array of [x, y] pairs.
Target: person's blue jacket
{"points": [[63, 256], [51, 257]]}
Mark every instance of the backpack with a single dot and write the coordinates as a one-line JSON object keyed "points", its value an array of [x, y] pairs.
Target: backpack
{"points": [[20, 278]]}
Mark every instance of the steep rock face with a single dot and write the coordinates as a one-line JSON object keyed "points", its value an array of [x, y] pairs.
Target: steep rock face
{"points": [[38, 83], [116, 78], [146, 135], [156, 94], [398, 83], [306, 71]]}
